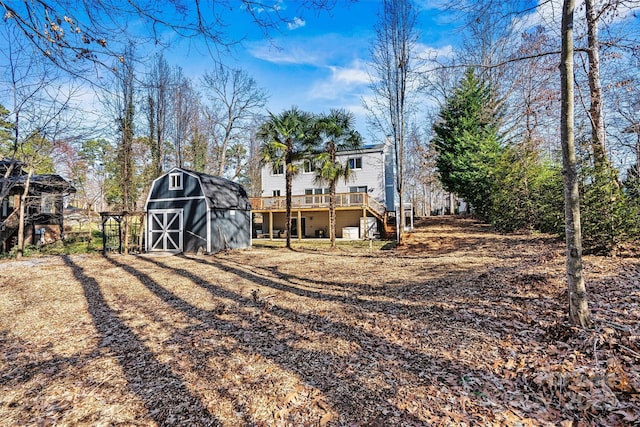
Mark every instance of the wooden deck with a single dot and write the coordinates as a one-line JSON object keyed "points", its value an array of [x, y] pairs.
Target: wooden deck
{"points": [[319, 201]]}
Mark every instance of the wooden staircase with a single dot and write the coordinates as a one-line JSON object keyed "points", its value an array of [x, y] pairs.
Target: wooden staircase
{"points": [[387, 218], [8, 227], [390, 228]]}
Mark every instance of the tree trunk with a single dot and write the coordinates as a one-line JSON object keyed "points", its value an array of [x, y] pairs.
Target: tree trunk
{"points": [[451, 203], [598, 134], [22, 215], [638, 155], [578, 306], [154, 145], [289, 180], [332, 213], [125, 234], [127, 116], [7, 184]]}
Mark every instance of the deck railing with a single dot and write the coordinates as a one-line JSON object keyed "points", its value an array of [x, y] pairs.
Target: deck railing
{"points": [[310, 201]]}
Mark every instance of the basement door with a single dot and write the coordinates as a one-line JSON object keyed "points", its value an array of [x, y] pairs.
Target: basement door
{"points": [[165, 230]]}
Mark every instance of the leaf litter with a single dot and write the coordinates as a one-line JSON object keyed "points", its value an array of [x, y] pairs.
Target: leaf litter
{"points": [[459, 326]]}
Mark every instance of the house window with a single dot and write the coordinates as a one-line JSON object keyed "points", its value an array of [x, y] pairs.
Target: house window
{"points": [[360, 189], [358, 198], [47, 203], [355, 163], [277, 170], [175, 181], [307, 166], [308, 192], [276, 193]]}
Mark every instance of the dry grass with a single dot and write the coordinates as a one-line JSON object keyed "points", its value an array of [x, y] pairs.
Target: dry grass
{"points": [[460, 326]]}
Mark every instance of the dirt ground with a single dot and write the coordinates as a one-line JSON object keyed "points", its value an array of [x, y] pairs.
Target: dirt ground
{"points": [[460, 326]]}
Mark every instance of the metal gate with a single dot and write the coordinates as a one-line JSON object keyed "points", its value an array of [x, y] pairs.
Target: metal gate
{"points": [[165, 230]]}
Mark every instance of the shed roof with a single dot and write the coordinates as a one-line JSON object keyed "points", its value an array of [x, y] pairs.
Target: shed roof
{"points": [[221, 193], [40, 182]]}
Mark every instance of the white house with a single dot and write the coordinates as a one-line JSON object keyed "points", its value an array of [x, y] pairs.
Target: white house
{"points": [[364, 203]]}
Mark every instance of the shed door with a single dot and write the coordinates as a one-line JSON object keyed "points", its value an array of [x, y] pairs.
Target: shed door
{"points": [[165, 230]]}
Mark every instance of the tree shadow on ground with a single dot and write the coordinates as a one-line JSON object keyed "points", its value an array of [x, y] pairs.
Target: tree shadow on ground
{"points": [[164, 394], [350, 394]]}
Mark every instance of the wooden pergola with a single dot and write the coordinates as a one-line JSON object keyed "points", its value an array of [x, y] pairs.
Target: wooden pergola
{"points": [[118, 229]]}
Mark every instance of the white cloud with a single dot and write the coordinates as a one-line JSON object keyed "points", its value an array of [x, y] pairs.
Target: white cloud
{"points": [[296, 23], [293, 54], [432, 53], [351, 76], [317, 51], [549, 14], [343, 81]]}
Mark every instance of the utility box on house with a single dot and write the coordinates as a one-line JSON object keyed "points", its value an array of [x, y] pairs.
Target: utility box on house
{"points": [[351, 233], [369, 227]]}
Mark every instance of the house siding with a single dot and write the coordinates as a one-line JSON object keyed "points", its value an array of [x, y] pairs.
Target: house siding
{"points": [[314, 221], [374, 174]]}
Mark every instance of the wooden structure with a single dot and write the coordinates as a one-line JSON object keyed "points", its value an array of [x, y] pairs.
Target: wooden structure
{"points": [[122, 232], [189, 211], [43, 205], [365, 202], [310, 215]]}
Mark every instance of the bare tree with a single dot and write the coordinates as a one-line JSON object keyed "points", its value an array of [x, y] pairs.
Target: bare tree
{"points": [[125, 114], [595, 85], [197, 149], [392, 83], [422, 179], [158, 87], [39, 119], [236, 99], [533, 104], [253, 176], [75, 35], [578, 303], [185, 102]]}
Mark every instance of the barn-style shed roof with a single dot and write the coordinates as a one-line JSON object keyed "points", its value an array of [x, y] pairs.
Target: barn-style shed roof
{"points": [[220, 193]]}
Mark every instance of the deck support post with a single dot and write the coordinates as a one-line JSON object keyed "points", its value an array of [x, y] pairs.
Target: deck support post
{"points": [[270, 225]]}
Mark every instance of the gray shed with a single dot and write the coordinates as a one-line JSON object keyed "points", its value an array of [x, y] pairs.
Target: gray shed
{"points": [[189, 211]]}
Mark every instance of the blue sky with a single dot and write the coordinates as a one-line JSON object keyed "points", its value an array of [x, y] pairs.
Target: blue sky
{"points": [[321, 61], [318, 63]]}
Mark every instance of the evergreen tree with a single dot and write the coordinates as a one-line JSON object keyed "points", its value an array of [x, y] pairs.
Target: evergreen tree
{"points": [[6, 127], [468, 144], [609, 213], [527, 193]]}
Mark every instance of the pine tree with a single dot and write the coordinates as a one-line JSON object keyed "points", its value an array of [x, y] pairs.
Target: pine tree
{"points": [[6, 128], [468, 143]]}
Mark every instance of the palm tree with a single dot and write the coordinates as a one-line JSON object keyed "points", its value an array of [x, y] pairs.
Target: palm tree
{"points": [[287, 139], [334, 133]]}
